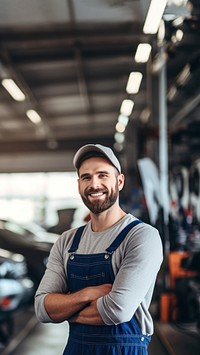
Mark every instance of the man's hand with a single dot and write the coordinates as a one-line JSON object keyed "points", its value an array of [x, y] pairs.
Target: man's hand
{"points": [[95, 292], [90, 314]]}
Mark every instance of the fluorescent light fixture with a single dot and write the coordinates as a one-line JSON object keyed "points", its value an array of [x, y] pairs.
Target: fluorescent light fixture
{"points": [[177, 2], [183, 76], [161, 32], [123, 119], [158, 62], [178, 21], [179, 35], [142, 53], [154, 15], [33, 116], [119, 137], [134, 82], [13, 89], [120, 127], [126, 107], [172, 93]]}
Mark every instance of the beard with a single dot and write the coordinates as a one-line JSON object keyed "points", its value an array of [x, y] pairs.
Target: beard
{"points": [[99, 206]]}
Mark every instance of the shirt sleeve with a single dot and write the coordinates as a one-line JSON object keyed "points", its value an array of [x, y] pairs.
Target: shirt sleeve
{"points": [[135, 278], [53, 281]]}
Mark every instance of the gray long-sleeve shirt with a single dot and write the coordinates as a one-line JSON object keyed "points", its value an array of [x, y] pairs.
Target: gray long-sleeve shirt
{"points": [[135, 263]]}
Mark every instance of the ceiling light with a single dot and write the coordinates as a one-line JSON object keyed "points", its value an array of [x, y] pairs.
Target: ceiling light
{"points": [[154, 16], [174, 39], [177, 2], [142, 53], [134, 82], [183, 76], [13, 89], [120, 127], [158, 62], [126, 107], [119, 137], [178, 21], [179, 35], [123, 119], [33, 116], [172, 93], [161, 32]]}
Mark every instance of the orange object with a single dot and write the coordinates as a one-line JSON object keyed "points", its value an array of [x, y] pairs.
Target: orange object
{"points": [[175, 269], [168, 301], [168, 307]]}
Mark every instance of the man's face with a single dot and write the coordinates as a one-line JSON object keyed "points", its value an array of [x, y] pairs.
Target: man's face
{"points": [[99, 184]]}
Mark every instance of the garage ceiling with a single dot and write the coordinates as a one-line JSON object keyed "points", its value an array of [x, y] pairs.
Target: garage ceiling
{"points": [[72, 59]]}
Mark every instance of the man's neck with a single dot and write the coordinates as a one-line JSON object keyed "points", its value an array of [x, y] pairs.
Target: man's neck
{"points": [[106, 219]]}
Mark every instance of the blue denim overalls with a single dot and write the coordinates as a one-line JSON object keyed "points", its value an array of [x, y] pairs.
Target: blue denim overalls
{"points": [[92, 270]]}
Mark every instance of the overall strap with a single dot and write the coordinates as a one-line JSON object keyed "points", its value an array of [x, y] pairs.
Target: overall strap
{"points": [[76, 239], [121, 236]]}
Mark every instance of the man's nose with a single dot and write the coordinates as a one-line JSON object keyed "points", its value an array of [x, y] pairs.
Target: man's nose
{"points": [[95, 183]]}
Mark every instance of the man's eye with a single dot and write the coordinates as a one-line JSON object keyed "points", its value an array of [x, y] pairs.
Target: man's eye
{"points": [[85, 178]]}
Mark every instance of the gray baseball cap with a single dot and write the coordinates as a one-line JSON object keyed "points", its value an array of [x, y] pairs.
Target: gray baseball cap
{"points": [[92, 148]]}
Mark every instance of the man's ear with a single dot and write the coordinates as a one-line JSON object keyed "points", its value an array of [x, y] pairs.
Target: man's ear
{"points": [[121, 180]]}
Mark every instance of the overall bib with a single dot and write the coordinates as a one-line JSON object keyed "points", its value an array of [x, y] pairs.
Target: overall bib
{"points": [[92, 270]]}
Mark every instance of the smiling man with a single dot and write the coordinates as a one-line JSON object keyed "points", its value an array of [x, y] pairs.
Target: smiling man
{"points": [[100, 277]]}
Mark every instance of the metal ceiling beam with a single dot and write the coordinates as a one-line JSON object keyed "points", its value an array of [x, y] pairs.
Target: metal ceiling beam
{"points": [[41, 145], [42, 39]]}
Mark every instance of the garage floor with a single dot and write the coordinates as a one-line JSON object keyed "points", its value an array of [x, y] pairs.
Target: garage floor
{"points": [[33, 338]]}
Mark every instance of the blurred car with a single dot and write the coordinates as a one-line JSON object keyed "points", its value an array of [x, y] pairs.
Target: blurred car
{"points": [[15, 238], [40, 233], [16, 291]]}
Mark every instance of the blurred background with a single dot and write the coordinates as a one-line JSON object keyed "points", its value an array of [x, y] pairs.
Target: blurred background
{"points": [[122, 73]]}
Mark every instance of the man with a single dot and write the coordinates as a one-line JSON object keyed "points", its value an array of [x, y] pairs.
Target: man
{"points": [[100, 277]]}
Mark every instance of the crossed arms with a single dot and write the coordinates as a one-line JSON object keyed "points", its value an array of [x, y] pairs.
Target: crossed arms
{"points": [[78, 307]]}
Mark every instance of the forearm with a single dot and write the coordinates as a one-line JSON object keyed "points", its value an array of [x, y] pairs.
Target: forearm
{"points": [[88, 315], [61, 307]]}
